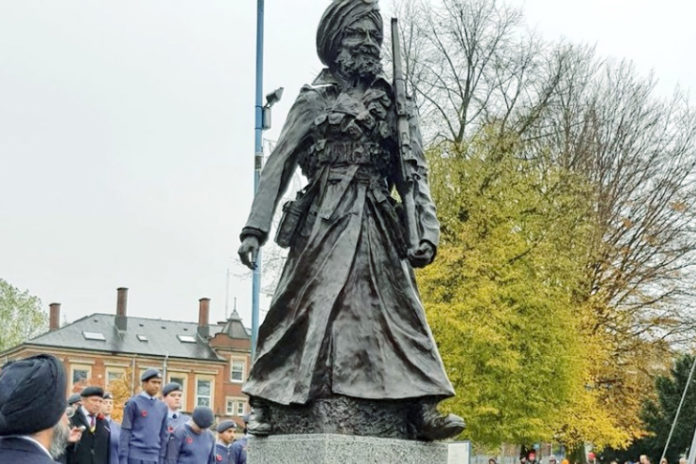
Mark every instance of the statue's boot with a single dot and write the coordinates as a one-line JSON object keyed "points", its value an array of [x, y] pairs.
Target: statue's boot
{"points": [[259, 420], [432, 425]]}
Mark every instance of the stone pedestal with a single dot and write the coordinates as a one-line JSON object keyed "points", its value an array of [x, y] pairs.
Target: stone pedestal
{"points": [[342, 449]]}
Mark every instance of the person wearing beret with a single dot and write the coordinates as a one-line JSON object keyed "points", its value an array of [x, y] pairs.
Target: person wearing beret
{"points": [[171, 395], [115, 427], [223, 446], [34, 425], [144, 426], [74, 400], [93, 447], [238, 450], [192, 442]]}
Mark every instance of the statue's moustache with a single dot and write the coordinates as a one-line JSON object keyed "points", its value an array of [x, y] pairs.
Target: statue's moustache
{"points": [[369, 50]]}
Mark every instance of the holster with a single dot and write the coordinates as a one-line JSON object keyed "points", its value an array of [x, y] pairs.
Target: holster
{"points": [[294, 213]]}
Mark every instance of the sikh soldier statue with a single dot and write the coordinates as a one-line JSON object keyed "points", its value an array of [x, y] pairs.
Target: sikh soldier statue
{"points": [[346, 322]]}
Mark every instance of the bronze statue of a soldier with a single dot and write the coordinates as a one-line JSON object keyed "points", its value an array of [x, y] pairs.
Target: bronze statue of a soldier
{"points": [[346, 319]]}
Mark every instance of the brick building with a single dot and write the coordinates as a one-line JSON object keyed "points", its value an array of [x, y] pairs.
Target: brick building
{"points": [[210, 361]]}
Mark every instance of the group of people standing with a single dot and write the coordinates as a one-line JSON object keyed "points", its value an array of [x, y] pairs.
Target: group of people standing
{"points": [[153, 431]]}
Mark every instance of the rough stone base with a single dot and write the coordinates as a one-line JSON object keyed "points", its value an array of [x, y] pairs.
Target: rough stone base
{"points": [[342, 449], [344, 416]]}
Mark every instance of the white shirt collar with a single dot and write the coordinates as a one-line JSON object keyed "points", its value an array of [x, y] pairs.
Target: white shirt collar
{"points": [[145, 394], [86, 413]]}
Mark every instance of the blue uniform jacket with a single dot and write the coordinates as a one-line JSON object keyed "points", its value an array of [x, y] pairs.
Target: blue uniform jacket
{"points": [[239, 451], [172, 423], [223, 454], [187, 447], [143, 430], [18, 450], [114, 437]]}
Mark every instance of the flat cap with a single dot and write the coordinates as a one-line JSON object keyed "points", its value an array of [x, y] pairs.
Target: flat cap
{"points": [[108, 396], [74, 398], [92, 391], [32, 395], [171, 387], [150, 374], [224, 425], [203, 417]]}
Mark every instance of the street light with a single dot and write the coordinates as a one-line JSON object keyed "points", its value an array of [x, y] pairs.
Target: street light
{"points": [[271, 99]]}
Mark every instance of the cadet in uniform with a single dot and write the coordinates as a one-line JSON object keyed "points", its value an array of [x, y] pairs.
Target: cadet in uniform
{"points": [[93, 447], [239, 447], [223, 446], [33, 424], [192, 442], [144, 426], [171, 395], [114, 427]]}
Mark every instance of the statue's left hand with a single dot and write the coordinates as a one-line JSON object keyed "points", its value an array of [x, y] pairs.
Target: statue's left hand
{"points": [[421, 256]]}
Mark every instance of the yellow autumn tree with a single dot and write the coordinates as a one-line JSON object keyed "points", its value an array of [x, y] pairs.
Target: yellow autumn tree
{"points": [[505, 296], [121, 391]]}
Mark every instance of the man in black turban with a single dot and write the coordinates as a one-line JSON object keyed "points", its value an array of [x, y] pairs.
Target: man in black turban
{"points": [[346, 323], [33, 422]]}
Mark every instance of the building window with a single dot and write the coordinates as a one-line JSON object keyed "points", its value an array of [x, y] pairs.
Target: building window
{"points": [[79, 375], [114, 374], [204, 391], [235, 406], [180, 378], [237, 368]]}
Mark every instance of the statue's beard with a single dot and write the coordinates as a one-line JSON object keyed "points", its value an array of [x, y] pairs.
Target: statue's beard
{"points": [[362, 62], [61, 433]]}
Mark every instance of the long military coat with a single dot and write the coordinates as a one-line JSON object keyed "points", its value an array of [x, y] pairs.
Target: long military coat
{"points": [[346, 317], [93, 447]]}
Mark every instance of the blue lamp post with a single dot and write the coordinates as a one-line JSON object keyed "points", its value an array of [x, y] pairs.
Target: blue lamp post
{"points": [[258, 162]]}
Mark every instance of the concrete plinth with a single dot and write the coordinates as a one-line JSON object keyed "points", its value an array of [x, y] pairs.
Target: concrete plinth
{"points": [[342, 449]]}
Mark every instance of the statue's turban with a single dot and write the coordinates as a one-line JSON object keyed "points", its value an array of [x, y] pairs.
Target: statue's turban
{"points": [[337, 17]]}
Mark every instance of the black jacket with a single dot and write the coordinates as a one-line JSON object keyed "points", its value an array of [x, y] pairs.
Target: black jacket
{"points": [[93, 447], [15, 450]]}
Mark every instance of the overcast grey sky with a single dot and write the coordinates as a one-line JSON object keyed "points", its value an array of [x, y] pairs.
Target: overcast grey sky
{"points": [[126, 133]]}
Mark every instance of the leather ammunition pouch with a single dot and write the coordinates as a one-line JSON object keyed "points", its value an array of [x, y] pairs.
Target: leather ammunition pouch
{"points": [[294, 213]]}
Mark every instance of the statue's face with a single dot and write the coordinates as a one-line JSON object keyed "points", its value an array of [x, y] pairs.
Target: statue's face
{"points": [[360, 50], [363, 35]]}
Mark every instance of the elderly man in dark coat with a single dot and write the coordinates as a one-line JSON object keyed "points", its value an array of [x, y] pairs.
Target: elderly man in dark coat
{"points": [[346, 318], [33, 422], [93, 447]]}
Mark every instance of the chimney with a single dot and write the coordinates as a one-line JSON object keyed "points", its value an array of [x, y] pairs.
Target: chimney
{"points": [[54, 317], [121, 313], [203, 316]]}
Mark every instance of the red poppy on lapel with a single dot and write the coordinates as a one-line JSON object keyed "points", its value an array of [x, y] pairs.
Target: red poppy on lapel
{"points": [[144, 413], [189, 440], [218, 458]]}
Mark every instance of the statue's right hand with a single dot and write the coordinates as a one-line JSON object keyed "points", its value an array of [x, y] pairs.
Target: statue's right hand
{"points": [[249, 251]]}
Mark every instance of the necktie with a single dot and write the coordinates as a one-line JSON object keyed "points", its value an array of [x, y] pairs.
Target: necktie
{"points": [[91, 423]]}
